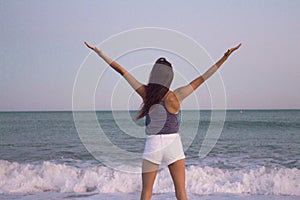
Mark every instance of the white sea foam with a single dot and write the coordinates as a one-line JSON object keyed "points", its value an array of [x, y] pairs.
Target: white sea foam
{"points": [[261, 180], [51, 177]]}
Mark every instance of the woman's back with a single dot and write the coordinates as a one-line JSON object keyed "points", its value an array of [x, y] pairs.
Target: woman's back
{"points": [[171, 102], [160, 121]]}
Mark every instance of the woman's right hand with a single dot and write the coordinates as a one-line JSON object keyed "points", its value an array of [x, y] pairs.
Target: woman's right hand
{"points": [[229, 51]]}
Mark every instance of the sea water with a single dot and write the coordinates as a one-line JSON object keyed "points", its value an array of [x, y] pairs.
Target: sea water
{"points": [[43, 156]]}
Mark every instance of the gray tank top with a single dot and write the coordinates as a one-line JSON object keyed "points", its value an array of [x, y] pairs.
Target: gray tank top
{"points": [[160, 121]]}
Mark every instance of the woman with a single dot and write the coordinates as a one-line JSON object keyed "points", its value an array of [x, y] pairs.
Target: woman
{"points": [[160, 106]]}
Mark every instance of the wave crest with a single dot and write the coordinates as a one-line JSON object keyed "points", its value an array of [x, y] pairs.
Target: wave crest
{"points": [[49, 176]]}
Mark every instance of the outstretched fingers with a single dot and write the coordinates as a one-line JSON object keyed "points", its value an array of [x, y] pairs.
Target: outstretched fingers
{"points": [[238, 46], [229, 51], [89, 46]]}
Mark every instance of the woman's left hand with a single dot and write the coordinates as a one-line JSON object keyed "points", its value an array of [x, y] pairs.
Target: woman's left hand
{"points": [[90, 46]]}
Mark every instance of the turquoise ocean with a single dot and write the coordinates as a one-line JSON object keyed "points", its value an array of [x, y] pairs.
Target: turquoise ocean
{"points": [[42, 156]]}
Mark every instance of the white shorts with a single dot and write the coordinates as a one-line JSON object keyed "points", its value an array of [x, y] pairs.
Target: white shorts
{"points": [[163, 148]]}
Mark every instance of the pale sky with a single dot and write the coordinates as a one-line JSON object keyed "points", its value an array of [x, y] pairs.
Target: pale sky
{"points": [[41, 47]]}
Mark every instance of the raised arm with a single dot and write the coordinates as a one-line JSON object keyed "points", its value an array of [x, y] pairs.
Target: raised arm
{"points": [[182, 92], [136, 85]]}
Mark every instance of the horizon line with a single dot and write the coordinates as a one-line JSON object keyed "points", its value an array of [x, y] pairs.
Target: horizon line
{"points": [[122, 110]]}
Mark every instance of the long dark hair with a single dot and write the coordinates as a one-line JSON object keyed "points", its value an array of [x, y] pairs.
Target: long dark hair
{"points": [[159, 82]]}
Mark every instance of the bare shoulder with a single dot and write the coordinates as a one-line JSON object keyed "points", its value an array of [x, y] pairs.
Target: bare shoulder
{"points": [[172, 103]]}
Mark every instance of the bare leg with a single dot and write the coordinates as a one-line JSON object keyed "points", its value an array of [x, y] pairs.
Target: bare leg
{"points": [[148, 177], [177, 171]]}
